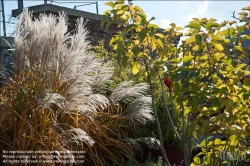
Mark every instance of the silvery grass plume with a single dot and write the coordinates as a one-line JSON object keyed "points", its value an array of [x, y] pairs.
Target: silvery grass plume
{"points": [[139, 107], [43, 44], [53, 76]]}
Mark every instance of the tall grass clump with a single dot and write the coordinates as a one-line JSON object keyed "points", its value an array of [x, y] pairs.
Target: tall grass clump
{"points": [[51, 103]]}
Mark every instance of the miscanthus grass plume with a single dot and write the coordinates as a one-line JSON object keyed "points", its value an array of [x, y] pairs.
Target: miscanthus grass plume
{"points": [[51, 101]]}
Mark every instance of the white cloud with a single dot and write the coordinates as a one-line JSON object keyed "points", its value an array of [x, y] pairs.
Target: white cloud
{"points": [[164, 23], [191, 16], [202, 8], [200, 11]]}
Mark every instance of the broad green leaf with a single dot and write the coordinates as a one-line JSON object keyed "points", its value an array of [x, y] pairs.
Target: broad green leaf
{"points": [[243, 13], [246, 37], [153, 45], [196, 19], [125, 61], [103, 21], [108, 24], [240, 29], [154, 25], [233, 140], [195, 48], [120, 12], [212, 20], [193, 24], [204, 20], [159, 42], [179, 28], [136, 50], [239, 49], [187, 58], [115, 46], [142, 15], [218, 38], [187, 111], [151, 19], [247, 82], [142, 35], [241, 66], [174, 60], [198, 39], [119, 2], [119, 55], [223, 32], [135, 67], [246, 8], [232, 22], [173, 25], [137, 8], [224, 23], [212, 24], [215, 102], [152, 31], [168, 29], [120, 6], [218, 47], [190, 40], [159, 35], [217, 141], [197, 160], [191, 128], [114, 39], [111, 4]]}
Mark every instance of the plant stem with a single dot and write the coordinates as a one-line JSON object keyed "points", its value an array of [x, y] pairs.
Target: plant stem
{"points": [[169, 116], [156, 117]]}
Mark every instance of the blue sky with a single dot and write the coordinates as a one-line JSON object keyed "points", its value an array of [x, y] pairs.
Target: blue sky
{"points": [[165, 12]]}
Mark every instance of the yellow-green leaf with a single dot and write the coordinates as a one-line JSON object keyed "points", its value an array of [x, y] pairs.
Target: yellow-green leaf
{"points": [[168, 29], [120, 6], [138, 9], [153, 45], [212, 24], [195, 48], [212, 20], [193, 24], [159, 42], [119, 2], [232, 22], [233, 140], [159, 35], [187, 58], [218, 38], [246, 8], [173, 25], [135, 67], [154, 25], [241, 66], [217, 141], [179, 28], [111, 4], [187, 111], [114, 39], [243, 13], [120, 12], [190, 40], [218, 47]]}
